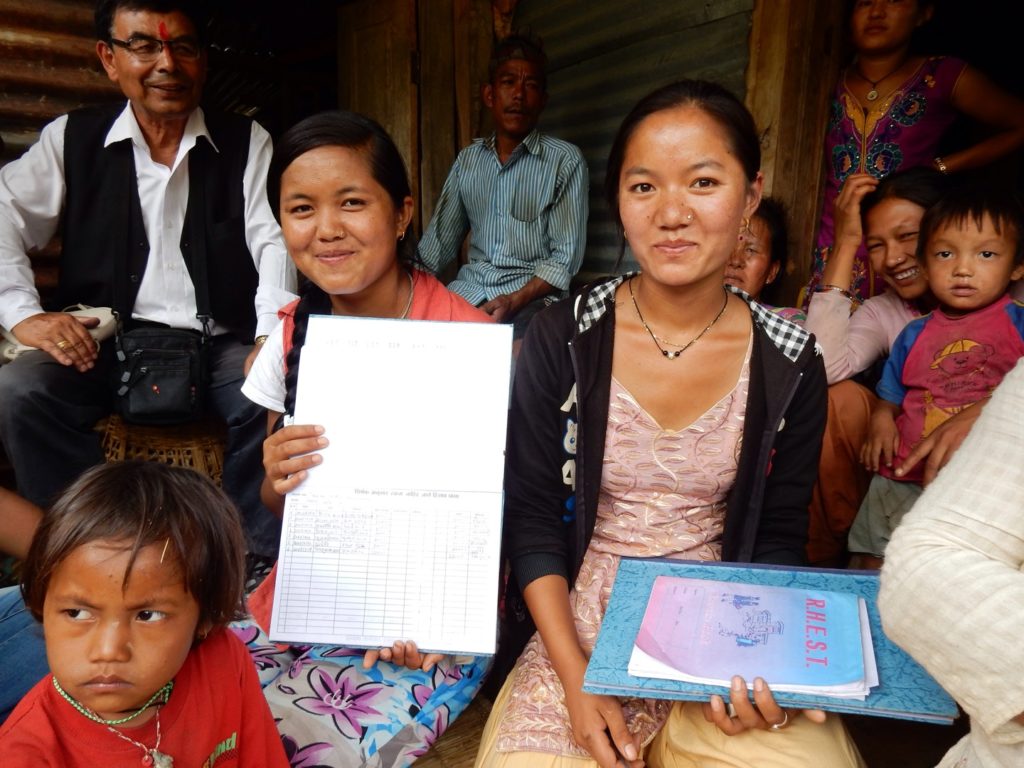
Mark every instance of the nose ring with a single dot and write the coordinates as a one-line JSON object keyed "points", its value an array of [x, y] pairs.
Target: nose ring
{"points": [[689, 217]]}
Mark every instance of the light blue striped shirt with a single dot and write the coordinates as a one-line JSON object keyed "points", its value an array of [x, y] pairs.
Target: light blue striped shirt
{"points": [[526, 218]]}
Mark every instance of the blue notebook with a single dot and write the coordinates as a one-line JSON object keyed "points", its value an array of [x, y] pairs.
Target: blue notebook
{"points": [[904, 691]]}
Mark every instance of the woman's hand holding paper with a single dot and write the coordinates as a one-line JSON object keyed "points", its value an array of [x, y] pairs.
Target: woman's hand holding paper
{"points": [[763, 713]]}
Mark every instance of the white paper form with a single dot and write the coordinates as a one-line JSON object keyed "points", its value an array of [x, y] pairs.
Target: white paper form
{"points": [[396, 535]]}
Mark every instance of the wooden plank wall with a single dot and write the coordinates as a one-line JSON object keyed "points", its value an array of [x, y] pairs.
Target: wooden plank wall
{"points": [[605, 55], [795, 51]]}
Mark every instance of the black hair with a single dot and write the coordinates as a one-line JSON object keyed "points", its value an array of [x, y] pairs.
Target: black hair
{"points": [[106, 10], [339, 128], [965, 205], [922, 186], [773, 214], [519, 46], [718, 103], [146, 503]]}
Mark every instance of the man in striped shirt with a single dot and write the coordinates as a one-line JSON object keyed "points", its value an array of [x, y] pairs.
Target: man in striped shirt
{"points": [[521, 195]]}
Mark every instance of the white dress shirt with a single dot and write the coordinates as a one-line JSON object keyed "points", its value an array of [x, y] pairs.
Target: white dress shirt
{"points": [[32, 191]]}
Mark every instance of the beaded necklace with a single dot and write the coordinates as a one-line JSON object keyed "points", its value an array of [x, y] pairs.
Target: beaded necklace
{"points": [[150, 757], [164, 694], [672, 354]]}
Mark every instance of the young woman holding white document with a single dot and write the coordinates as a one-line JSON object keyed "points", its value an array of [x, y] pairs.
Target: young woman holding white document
{"points": [[340, 190]]}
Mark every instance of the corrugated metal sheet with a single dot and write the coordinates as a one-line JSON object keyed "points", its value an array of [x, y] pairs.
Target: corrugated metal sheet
{"points": [[604, 55], [48, 66]]}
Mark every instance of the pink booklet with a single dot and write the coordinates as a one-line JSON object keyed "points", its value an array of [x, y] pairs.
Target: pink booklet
{"points": [[798, 640]]}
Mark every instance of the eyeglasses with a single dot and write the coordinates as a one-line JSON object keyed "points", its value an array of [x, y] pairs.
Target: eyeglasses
{"points": [[146, 48]]}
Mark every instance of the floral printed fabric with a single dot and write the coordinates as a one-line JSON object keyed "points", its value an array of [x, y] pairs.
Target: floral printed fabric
{"points": [[333, 713]]}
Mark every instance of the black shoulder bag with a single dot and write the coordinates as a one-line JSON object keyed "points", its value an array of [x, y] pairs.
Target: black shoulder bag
{"points": [[162, 373]]}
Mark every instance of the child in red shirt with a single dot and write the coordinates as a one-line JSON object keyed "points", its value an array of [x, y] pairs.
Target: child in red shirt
{"points": [[134, 572]]}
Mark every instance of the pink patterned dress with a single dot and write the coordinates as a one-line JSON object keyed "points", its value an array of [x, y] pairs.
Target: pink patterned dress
{"points": [[663, 494]]}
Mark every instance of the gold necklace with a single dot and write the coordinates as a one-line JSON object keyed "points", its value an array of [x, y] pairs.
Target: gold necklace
{"points": [[408, 303], [668, 353]]}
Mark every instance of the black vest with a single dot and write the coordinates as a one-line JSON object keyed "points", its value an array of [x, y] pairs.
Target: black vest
{"points": [[104, 238]]}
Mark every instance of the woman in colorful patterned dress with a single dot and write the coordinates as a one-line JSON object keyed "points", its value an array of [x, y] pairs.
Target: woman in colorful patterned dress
{"points": [[339, 188], [890, 111], [617, 447]]}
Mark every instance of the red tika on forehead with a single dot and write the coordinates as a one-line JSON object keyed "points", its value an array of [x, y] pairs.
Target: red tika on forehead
{"points": [[162, 29]]}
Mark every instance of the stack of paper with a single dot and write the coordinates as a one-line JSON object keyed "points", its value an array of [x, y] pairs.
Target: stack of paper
{"points": [[798, 640], [396, 535], [904, 689]]}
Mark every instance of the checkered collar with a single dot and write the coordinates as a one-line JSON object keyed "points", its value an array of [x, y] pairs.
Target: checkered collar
{"points": [[790, 338]]}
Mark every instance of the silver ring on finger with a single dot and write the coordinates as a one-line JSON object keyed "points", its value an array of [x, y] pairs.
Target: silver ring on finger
{"points": [[783, 724]]}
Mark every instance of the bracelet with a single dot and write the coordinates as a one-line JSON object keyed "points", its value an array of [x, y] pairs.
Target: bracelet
{"points": [[259, 341], [828, 288], [940, 165]]}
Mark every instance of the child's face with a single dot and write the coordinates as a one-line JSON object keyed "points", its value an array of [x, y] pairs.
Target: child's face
{"points": [[970, 267], [111, 649]]}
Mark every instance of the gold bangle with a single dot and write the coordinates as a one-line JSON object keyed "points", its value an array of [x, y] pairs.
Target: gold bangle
{"points": [[261, 340], [829, 288]]}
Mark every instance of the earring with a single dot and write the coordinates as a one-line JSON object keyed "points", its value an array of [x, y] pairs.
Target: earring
{"points": [[401, 236], [745, 227]]}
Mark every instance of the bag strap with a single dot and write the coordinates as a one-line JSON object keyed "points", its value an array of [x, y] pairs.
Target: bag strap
{"points": [[193, 244], [196, 236]]}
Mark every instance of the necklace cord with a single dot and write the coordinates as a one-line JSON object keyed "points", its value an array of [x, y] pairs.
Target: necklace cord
{"points": [[668, 353], [164, 694], [872, 95]]}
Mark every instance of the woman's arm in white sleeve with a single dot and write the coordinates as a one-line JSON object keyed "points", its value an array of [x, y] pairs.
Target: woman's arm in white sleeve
{"points": [[953, 586], [849, 343]]}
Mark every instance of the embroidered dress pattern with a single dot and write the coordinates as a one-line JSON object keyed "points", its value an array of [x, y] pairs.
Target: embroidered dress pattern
{"points": [[898, 131]]}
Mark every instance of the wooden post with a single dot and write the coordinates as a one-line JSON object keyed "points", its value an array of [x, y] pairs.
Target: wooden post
{"points": [[795, 55]]}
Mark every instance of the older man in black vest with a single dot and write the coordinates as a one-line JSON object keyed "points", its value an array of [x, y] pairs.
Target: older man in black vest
{"points": [[140, 190]]}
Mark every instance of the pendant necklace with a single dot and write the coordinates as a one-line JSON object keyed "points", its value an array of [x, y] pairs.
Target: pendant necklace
{"points": [[151, 757], [872, 95], [670, 353]]}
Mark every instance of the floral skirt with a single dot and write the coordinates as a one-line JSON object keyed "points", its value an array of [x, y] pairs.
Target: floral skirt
{"points": [[331, 712]]}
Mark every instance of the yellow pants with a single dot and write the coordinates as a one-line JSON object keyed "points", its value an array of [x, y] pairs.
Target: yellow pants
{"points": [[688, 741]]}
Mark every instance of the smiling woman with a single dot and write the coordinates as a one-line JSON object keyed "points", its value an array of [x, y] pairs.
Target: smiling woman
{"points": [[606, 459], [890, 111], [339, 188]]}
